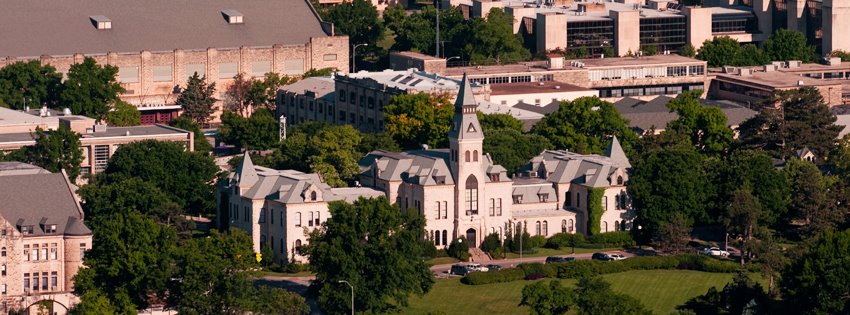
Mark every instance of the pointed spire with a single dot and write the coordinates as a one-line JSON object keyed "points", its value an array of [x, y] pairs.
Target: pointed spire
{"points": [[465, 99], [615, 152], [246, 175]]}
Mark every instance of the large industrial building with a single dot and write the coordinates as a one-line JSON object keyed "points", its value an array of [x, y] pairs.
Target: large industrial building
{"points": [[158, 44], [630, 25]]}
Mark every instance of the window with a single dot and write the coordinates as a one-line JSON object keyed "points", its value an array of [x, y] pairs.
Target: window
{"points": [[53, 249], [281, 244], [262, 216], [466, 156], [492, 207], [445, 237], [517, 199], [101, 157], [578, 200], [317, 217], [537, 228], [128, 74], [44, 281], [281, 219], [54, 283], [604, 226], [35, 252], [568, 200], [3, 291], [604, 203], [571, 226], [310, 219], [26, 282], [27, 252], [313, 196], [543, 197], [82, 250], [298, 219], [437, 238], [499, 206], [616, 225], [247, 214], [3, 251], [227, 70], [50, 228], [563, 226], [3, 270], [445, 210], [271, 214], [198, 68], [259, 68], [162, 73], [44, 251], [545, 228], [35, 281], [439, 210], [471, 194], [298, 246], [293, 66], [329, 57], [475, 156]]}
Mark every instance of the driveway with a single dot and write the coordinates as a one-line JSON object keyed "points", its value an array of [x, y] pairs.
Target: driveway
{"points": [[443, 270]]}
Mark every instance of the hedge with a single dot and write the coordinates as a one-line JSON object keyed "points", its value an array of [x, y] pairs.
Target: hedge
{"points": [[578, 269], [613, 239]]}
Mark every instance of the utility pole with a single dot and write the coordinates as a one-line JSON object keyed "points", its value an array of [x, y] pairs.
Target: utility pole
{"points": [[437, 5]]}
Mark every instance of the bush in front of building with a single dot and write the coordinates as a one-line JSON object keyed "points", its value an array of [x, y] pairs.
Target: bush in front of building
{"points": [[612, 239], [459, 248], [504, 275], [537, 241], [493, 245], [560, 240]]}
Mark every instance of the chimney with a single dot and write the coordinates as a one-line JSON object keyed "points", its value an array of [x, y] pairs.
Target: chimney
{"points": [[801, 83]]}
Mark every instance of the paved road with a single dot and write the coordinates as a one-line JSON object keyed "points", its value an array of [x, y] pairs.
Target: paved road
{"points": [[443, 270]]}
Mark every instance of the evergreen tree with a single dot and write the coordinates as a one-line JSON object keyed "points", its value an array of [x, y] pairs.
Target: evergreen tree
{"points": [[197, 99]]}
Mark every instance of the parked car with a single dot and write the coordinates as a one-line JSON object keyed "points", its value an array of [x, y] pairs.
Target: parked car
{"points": [[617, 256], [476, 267], [494, 267], [556, 259], [601, 256], [715, 251], [459, 270]]}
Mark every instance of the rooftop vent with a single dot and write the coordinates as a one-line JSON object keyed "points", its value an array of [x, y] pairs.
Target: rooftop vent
{"points": [[232, 16], [101, 22]]}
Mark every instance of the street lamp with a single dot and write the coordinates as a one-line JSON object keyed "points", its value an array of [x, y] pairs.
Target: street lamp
{"points": [[352, 294], [450, 59], [354, 55]]}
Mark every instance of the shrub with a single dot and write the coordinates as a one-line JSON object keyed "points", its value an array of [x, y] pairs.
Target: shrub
{"points": [[548, 271], [536, 241], [576, 269], [459, 248], [441, 253], [491, 243], [535, 276], [428, 249], [504, 275], [613, 239], [564, 240]]}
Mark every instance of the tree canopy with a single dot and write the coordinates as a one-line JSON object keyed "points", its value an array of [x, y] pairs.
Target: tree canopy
{"points": [[585, 125], [817, 282], [201, 143], [377, 249], [124, 114], [513, 149], [261, 131], [29, 84], [54, 150], [785, 44], [726, 51], [705, 126], [493, 39], [417, 119], [91, 89], [197, 99]]}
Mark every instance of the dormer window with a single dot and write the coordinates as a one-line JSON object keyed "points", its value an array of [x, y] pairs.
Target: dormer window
{"points": [[543, 197], [26, 229], [313, 196], [517, 199], [50, 228]]}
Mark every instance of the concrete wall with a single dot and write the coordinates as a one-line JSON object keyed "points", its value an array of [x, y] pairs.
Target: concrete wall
{"points": [[699, 25], [551, 29], [545, 98], [626, 31], [836, 24], [518, 13], [480, 8]]}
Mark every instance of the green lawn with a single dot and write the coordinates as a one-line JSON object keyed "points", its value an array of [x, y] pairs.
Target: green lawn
{"points": [[660, 290], [440, 261]]}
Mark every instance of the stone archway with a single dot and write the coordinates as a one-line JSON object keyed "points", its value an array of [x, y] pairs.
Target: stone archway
{"points": [[471, 237], [47, 307]]}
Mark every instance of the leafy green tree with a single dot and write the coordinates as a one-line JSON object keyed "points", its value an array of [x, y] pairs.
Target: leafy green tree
{"points": [[751, 55], [313, 72], [377, 141], [90, 89], [673, 234], [726, 51], [236, 95], [594, 296], [29, 84], [377, 249], [705, 126], [276, 301], [754, 169], [54, 150], [492, 244], [133, 194], [201, 143], [845, 56], [513, 149], [197, 99], [263, 93], [771, 258], [260, 131], [665, 182], [499, 121], [417, 30], [817, 282], [740, 296], [330, 150], [186, 177], [565, 240], [742, 217], [688, 51], [95, 302], [801, 120], [811, 200], [359, 20], [130, 260], [417, 119], [493, 39], [585, 125], [459, 248], [124, 114], [551, 299], [785, 44]]}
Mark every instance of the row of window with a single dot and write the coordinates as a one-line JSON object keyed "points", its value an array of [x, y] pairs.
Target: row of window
{"points": [[649, 90], [35, 253], [226, 70], [34, 280], [647, 72], [435, 235]]}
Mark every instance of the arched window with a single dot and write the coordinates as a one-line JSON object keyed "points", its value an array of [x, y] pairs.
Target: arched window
{"points": [[445, 237], [563, 226], [272, 239], [545, 228], [616, 225], [310, 219], [3, 251], [313, 196], [262, 241], [466, 156], [471, 194], [475, 156], [623, 226], [298, 219], [571, 226], [437, 238], [3, 270], [619, 180], [537, 228], [604, 226], [298, 246]]}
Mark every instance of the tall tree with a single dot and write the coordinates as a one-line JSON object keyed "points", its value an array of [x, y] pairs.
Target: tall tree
{"points": [[756, 170], [547, 299], [673, 235], [201, 143], [513, 149], [726, 51], [263, 93], [493, 39], [329, 150], [104, 199], [594, 296], [705, 126], [585, 125], [740, 296], [376, 248], [499, 121], [742, 217], [417, 119], [785, 44], [417, 30], [197, 99], [260, 131], [800, 119], [818, 282], [29, 84], [187, 177], [124, 114], [90, 89], [359, 20], [55, 150], [236, 95], [812, 204]]}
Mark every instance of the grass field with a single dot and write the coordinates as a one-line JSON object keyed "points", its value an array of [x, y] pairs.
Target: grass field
{"points": [[660, 290]]}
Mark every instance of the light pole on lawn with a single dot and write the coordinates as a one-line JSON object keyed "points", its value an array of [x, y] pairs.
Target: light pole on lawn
{"points": [[352, 294]]}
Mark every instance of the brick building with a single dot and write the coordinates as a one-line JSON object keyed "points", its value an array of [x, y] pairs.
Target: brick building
{"points": [[158, 44], [42, 239]]}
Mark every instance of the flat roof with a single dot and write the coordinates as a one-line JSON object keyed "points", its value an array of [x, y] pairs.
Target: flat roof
{"points": [[320, 85], [573, 14], [9, 117], [63, 27], [774, 80], [405, 79], [589, 64], [530, 66], [416, 55], [660, 59], [534, 88], [810, 67], [135, 131]]}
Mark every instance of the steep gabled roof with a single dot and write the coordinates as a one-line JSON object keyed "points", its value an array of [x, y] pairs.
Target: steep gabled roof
{"points": [[615, 152]]}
